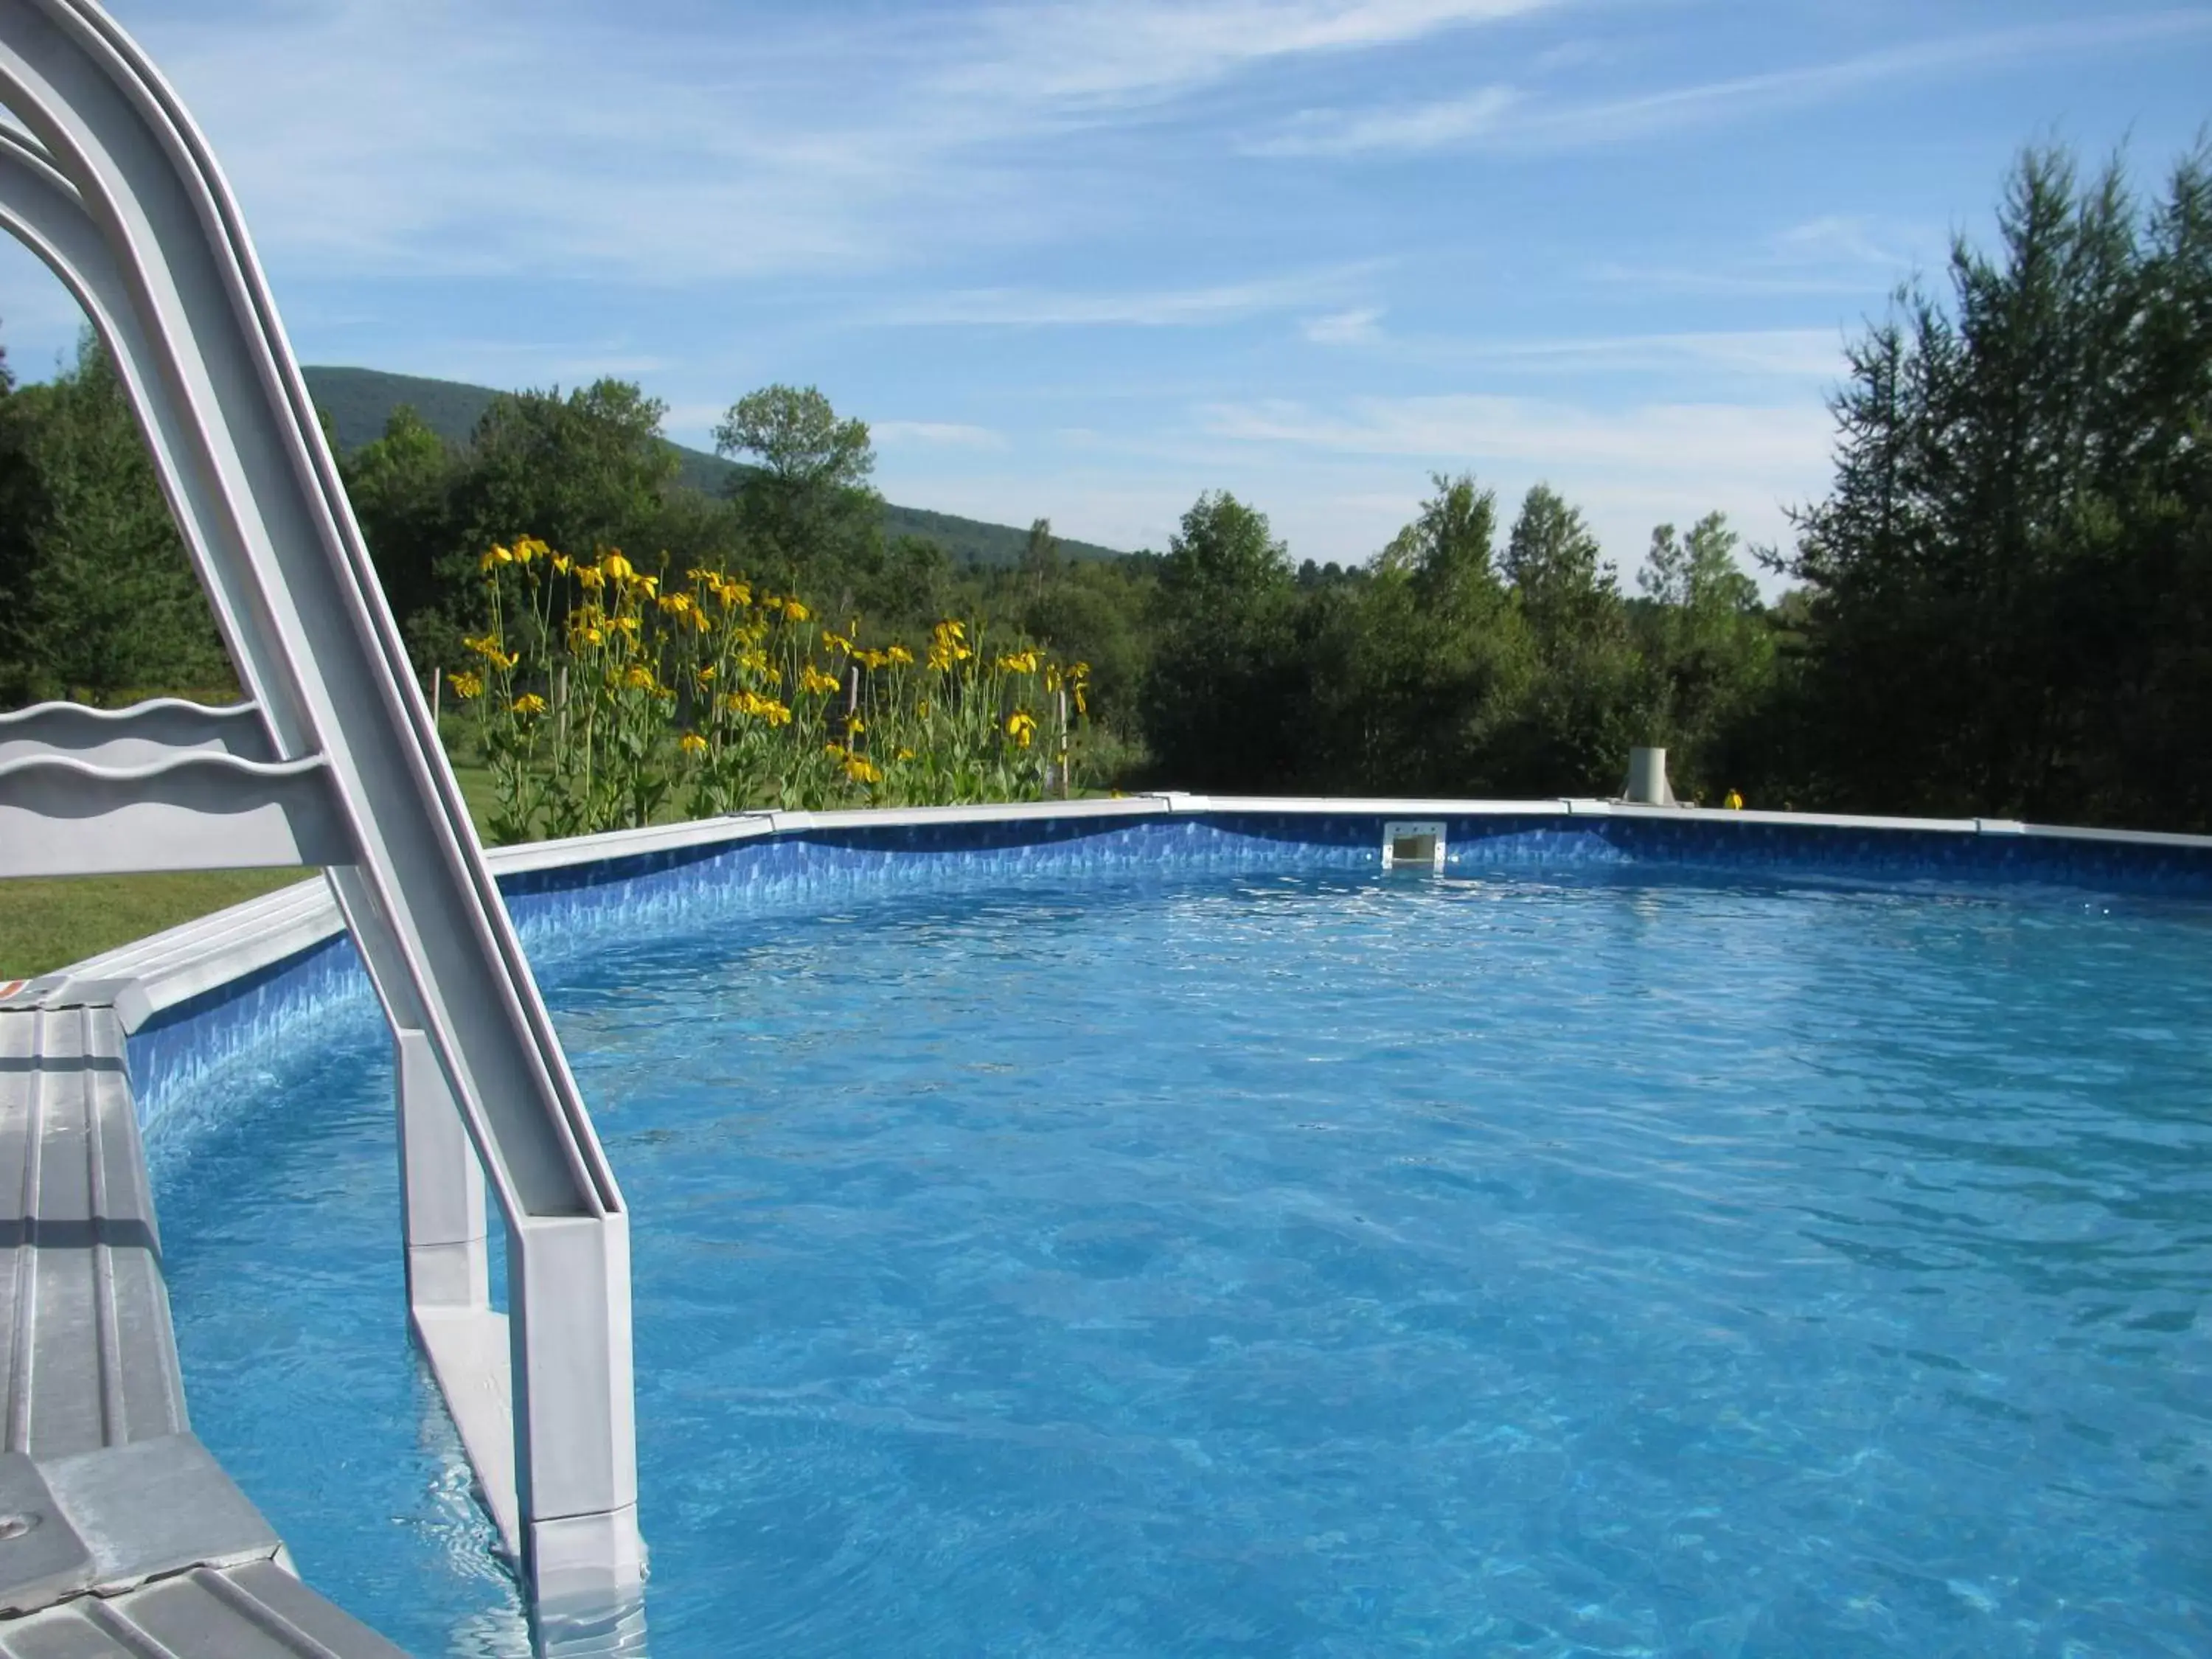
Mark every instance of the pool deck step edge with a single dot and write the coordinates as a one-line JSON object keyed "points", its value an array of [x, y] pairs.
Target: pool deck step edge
{"points": [[257, 1610], [468, 1349]]}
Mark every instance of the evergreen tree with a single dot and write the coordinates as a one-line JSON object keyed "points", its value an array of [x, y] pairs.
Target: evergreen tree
{"points": [[2004, 578], [101, 598], [1221, 700]]}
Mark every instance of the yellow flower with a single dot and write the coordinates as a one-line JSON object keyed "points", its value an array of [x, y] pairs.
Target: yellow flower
{"points": [[627, 625], [900, 654], [692, 744], [706, 677], [617, 568], [592, 577], [871, 661], [813, 679], [528, 549], [854, 723], [1021, 662], [465, 685], [647, 586], [638, 678], [1021, 727], [498, 555], [903, 755], [1081, 706], [921, 709], [755, 706], [836, 641], [794, 611], [561, 562], [860, 769], [675, 605], [529, 703]]}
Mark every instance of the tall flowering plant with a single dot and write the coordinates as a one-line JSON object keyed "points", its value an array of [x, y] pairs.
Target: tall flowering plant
{"points": [[606, 696]]}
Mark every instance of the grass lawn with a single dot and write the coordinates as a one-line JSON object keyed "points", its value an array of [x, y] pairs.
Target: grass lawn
{"points": [[46, 924]]}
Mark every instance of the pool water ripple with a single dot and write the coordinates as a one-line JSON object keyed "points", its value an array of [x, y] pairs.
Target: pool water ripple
{"points": [[1317, 1264]]}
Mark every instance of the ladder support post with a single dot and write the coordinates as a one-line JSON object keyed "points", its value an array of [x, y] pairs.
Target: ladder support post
{"points": [[568, 1322], [441, 1188]]}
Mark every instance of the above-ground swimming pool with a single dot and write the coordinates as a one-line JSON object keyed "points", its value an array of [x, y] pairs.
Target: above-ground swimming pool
{"points": [[1305, 1260]]}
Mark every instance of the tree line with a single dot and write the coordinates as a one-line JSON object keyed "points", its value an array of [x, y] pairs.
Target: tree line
{"points": [[2003, 605]]}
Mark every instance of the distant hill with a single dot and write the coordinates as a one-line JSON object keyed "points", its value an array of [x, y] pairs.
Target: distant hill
{"points": [[358, 402]]}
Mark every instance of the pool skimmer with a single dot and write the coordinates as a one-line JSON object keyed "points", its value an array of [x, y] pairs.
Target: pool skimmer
{"points": [[1414, 842]]}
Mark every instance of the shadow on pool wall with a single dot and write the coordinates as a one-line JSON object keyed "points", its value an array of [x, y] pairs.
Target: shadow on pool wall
{"points": [[567, 897]]}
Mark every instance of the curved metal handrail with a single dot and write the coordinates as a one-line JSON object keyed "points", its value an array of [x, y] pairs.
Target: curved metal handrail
{"points": [[118, 193]]}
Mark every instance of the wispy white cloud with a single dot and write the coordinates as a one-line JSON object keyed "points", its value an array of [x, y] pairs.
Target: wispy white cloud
{"points": [[408, 137], [1680, 106], [1832, 254], [1402, 130], [1659, 276], [416, 138], [1502, 117], [1836, 238], [1750, 448], [937, 434], [1112, 51], [1359, 326], [1798, 354], [1182, 307]]}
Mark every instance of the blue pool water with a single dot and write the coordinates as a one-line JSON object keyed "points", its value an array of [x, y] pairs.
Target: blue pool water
{"points": [[1321, 1265]]}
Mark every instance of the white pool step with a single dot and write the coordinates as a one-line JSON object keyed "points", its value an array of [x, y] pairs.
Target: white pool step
{"points": [[119, 1533]]}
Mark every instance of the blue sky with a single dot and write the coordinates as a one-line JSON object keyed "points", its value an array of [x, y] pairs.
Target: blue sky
{"points": [[1087, 259]]}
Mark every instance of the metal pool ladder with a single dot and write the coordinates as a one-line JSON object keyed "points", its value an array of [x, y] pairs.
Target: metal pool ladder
{"points": [[331, 761]]}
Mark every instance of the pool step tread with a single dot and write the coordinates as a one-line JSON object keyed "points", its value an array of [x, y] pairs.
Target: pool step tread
{"points": [[90, 1352], [119, 1533], [257, 1611]]}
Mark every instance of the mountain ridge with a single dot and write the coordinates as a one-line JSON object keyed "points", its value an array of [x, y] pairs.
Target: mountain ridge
{"points": [[359, 401]]}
